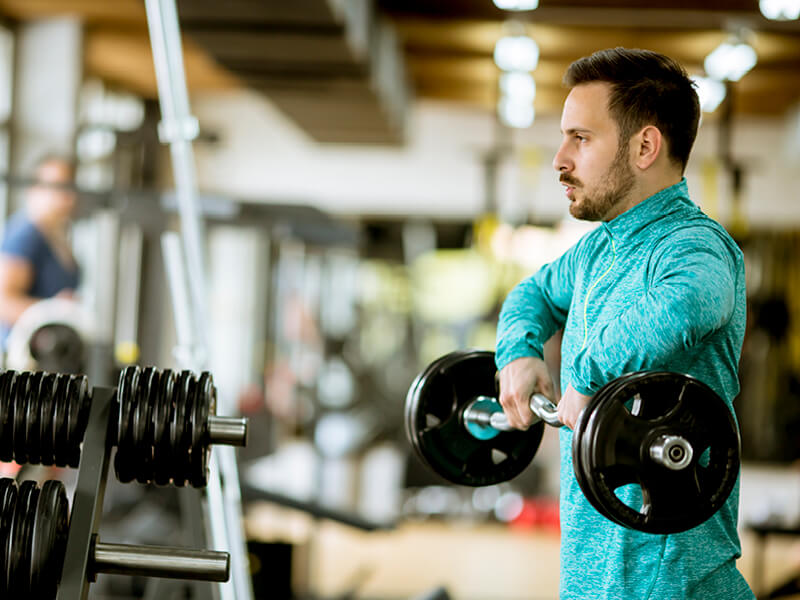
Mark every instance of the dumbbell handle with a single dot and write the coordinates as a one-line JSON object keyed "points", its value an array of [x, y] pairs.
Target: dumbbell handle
{"points": [[484, 418], [160, 561], [542, 408]]}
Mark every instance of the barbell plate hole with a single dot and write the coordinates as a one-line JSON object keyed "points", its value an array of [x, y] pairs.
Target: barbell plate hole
{"points": [[630, 495], [705, 458], [498, 456]]}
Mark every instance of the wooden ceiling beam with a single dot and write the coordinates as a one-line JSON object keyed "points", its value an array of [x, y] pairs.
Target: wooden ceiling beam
{"points": [[89, 11], [124, 58], [665, 14]]}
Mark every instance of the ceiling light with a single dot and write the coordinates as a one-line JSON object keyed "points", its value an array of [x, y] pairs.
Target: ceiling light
{"points": [[730, 61], [516, 113], [516, 4], [710, 92], [516, 53], [518, 85], [780, 10]]}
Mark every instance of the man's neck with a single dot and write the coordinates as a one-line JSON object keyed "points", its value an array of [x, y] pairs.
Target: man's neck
{"points": [[651, 186], [644, 188]]}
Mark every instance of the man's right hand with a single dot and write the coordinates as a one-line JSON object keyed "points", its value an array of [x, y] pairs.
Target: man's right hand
{"points": [[519, 380]]}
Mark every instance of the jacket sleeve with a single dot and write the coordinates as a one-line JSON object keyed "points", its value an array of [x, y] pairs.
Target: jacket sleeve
{"points": [[535, 309], [691, 294]]}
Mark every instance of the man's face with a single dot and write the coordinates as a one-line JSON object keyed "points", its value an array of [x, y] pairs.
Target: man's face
{"points": [[592, 165], [54, 196]]}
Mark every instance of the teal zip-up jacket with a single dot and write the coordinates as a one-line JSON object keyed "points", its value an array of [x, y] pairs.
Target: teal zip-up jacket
{"points": [[660, 287]]}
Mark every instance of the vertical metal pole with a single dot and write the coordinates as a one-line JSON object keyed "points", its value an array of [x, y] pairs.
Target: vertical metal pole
{"points": [[226, 482], [181, 307], [178, 128]]}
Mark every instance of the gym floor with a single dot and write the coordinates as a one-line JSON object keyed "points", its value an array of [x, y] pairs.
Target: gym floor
{"points": [[472, 562]]}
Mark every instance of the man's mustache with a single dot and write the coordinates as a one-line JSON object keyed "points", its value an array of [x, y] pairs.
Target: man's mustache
{"points": [[569, 180]]}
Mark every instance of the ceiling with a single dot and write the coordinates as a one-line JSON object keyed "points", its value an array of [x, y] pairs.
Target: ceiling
{"points": [[347, 70]]}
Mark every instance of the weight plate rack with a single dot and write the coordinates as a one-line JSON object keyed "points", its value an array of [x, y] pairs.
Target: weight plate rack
{"points": [[161, 423]]}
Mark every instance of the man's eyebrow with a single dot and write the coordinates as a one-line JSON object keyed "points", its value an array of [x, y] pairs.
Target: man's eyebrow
{"points": [[574, 130]]}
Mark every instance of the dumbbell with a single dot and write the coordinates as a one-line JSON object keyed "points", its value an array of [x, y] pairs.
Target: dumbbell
{"points": [[34, 524], [668, 433], [162, 423]]}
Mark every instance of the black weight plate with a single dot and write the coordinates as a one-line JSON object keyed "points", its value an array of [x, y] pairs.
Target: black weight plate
{"points": [[433, 417], [138, 418], [580, 447], [192, 426], [27, 544], [71, 420], [618, 452], [8, 503], [32, 402], [63, 404], [124, 461], [149, 449], [84, 401], [49, 540], [164, 408], [185, 454], [637, 408], [123, 401], [18, 548], [137, 424], [20, 417], [582, 444], [58, 430], [7, 395], [127, 447], [206, 397], [77, 409], [46, 409], [18, 413], [143, 426], [444, 409], [176, 426]]}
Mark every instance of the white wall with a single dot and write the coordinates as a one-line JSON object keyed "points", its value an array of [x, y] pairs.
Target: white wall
{"points": [[439, 172]]}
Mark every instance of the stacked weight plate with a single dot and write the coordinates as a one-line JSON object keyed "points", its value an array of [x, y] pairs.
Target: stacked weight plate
{"points": [[43, 417], [162, 426], [33, 535]]}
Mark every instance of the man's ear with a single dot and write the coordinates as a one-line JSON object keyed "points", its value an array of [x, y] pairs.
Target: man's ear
{"points": [[648, 144]]}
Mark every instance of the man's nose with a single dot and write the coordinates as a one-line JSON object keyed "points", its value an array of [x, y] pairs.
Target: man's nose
{"points": [[561, 161]]}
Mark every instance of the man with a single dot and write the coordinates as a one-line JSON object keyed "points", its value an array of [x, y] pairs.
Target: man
{"points": [[36, 261], [658, 286]]}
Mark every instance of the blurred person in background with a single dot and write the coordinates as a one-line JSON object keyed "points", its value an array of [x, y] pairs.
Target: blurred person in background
{"points": [[36, 260], [658, 286]]}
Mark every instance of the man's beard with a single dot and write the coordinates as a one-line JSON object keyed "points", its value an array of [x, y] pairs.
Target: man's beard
{"points": [[615, 185]]}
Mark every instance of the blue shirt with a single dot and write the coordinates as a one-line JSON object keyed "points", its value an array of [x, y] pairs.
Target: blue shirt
{"points": [[24, 241], [660, 287]]}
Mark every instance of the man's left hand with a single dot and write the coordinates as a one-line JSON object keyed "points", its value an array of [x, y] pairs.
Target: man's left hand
{"points": [[571, 405]]}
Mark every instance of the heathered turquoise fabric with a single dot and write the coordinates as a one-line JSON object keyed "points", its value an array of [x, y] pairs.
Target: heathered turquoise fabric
{"points": [[660, 287]]}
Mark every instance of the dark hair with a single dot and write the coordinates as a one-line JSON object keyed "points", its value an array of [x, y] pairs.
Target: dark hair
{"points": [[647, 88]]}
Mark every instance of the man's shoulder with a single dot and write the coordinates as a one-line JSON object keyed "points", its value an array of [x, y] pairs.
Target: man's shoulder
{"points": [[696, 231], [694, 225]]}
